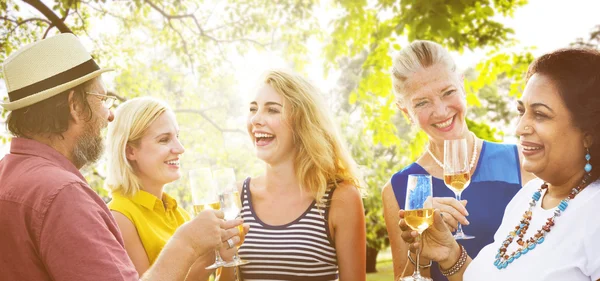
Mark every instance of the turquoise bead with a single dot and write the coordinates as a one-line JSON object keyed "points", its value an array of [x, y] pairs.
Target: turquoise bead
{"points": [[588, 167], [518, 255], [541, 240], [497, 262], [588, 157], [531, 246], [511, 259], [537, 195], [563, 205], [525, 250]]}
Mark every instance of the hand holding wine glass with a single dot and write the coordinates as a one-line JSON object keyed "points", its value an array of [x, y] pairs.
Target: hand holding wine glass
{"points": [[435, 243]]}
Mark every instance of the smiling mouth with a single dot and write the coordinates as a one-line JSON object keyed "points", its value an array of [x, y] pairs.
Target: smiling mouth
{"points": [[173, 162], [262, 139], [445, 124], [532, 148]]}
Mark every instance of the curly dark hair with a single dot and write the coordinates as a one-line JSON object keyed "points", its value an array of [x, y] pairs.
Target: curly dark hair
{"points": [[50, 116], [576, 74]]}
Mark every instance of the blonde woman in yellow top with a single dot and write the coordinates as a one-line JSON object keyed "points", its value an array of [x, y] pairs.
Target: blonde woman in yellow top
{"points": [[143, 155]]}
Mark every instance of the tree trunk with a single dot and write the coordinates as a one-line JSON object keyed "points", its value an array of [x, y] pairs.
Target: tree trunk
{"points": [[372, 259]]}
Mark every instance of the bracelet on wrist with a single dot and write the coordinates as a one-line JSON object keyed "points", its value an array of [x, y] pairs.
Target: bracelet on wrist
{"points": [[458, 265], [415, 263]]}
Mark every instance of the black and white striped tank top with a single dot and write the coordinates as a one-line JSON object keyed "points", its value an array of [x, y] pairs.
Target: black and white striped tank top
{"points": [[300, 250]]}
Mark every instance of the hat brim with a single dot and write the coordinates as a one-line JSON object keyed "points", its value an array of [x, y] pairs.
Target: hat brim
{"points": [[27, 101]]}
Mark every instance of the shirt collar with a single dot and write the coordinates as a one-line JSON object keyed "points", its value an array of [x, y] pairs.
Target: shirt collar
{"points": [[34, 148], [150, 201]]}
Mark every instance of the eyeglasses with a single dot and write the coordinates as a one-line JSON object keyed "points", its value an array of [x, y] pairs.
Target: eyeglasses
{"points": [[107, 101]]}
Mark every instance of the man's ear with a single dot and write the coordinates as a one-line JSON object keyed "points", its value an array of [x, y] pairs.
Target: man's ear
{"points": [[75, 108]]}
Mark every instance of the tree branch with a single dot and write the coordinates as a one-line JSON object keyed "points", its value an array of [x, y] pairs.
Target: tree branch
{"points": [[25, 21], [47, 30], [49, 14], [185, 48], [201, 30]]}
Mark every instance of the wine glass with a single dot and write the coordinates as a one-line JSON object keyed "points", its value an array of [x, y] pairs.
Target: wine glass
{"points": [[457, 173], [205, 196], [418, 213], [231, 205]]}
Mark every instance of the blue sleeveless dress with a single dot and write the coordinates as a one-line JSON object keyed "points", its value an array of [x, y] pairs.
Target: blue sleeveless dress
{"points": [[497, 178]]}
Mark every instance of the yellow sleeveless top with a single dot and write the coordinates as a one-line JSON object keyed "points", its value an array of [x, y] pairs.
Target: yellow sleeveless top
{"points": [[155, 222]]}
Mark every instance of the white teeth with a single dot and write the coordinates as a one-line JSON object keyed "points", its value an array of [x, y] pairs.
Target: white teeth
{"points": [[173, 163], [445, 124], [532, 147], [261, 135]]}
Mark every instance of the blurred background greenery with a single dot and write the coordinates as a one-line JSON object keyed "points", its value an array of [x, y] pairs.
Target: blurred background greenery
{"points": [[204, 58]]}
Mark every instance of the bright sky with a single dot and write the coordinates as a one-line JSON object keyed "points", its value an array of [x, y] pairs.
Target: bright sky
{"points": [[546, 24]]}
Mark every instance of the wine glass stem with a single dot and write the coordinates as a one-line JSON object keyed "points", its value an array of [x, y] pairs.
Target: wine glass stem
{"points": [[236, 271], [459, 226], [417, 269], [218, 258]]}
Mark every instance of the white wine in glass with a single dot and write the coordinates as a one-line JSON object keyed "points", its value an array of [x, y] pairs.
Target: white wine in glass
{"points": [[205, 196], [418, 213], [231, 205], [209, 206], [457, 173]]}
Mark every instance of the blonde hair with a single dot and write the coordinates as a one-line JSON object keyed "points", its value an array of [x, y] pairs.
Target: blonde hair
{"points": [[321, 157], [419, 55], [132, 119]]}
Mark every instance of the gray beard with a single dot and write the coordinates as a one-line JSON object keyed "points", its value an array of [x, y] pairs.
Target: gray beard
{"points": [[89, 146]]}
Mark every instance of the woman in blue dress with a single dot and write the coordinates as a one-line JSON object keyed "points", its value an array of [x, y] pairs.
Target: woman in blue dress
{"points": [[431, 94]]}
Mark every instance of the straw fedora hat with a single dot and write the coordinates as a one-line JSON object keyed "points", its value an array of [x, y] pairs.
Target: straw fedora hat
{"points": [[46, 68]]}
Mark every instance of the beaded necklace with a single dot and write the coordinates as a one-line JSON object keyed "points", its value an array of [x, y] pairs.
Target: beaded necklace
{"points": [[502, 258]]}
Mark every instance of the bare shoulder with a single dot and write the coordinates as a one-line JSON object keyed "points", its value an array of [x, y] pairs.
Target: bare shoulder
{"points": [[389, 199], [387, 190], [346, 209], [346, 193], [125, 224], [346, 202]]}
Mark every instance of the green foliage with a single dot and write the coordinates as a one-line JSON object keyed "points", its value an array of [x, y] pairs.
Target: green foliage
{"points": [[502, 65], [483, 131]]}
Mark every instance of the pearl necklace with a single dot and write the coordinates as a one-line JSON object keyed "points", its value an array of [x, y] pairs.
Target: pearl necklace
{"points": [[473, 158], [502, 258]]}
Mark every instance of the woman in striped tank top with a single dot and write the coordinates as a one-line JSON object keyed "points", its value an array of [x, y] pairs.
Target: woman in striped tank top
{"points": [[305, 212]]}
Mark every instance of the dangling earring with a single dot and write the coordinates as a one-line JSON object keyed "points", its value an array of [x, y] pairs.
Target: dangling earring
{"points": [[588, 166]]}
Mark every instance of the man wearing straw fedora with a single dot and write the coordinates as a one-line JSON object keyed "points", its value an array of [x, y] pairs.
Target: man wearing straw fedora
{"points": [[53, 225]]}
